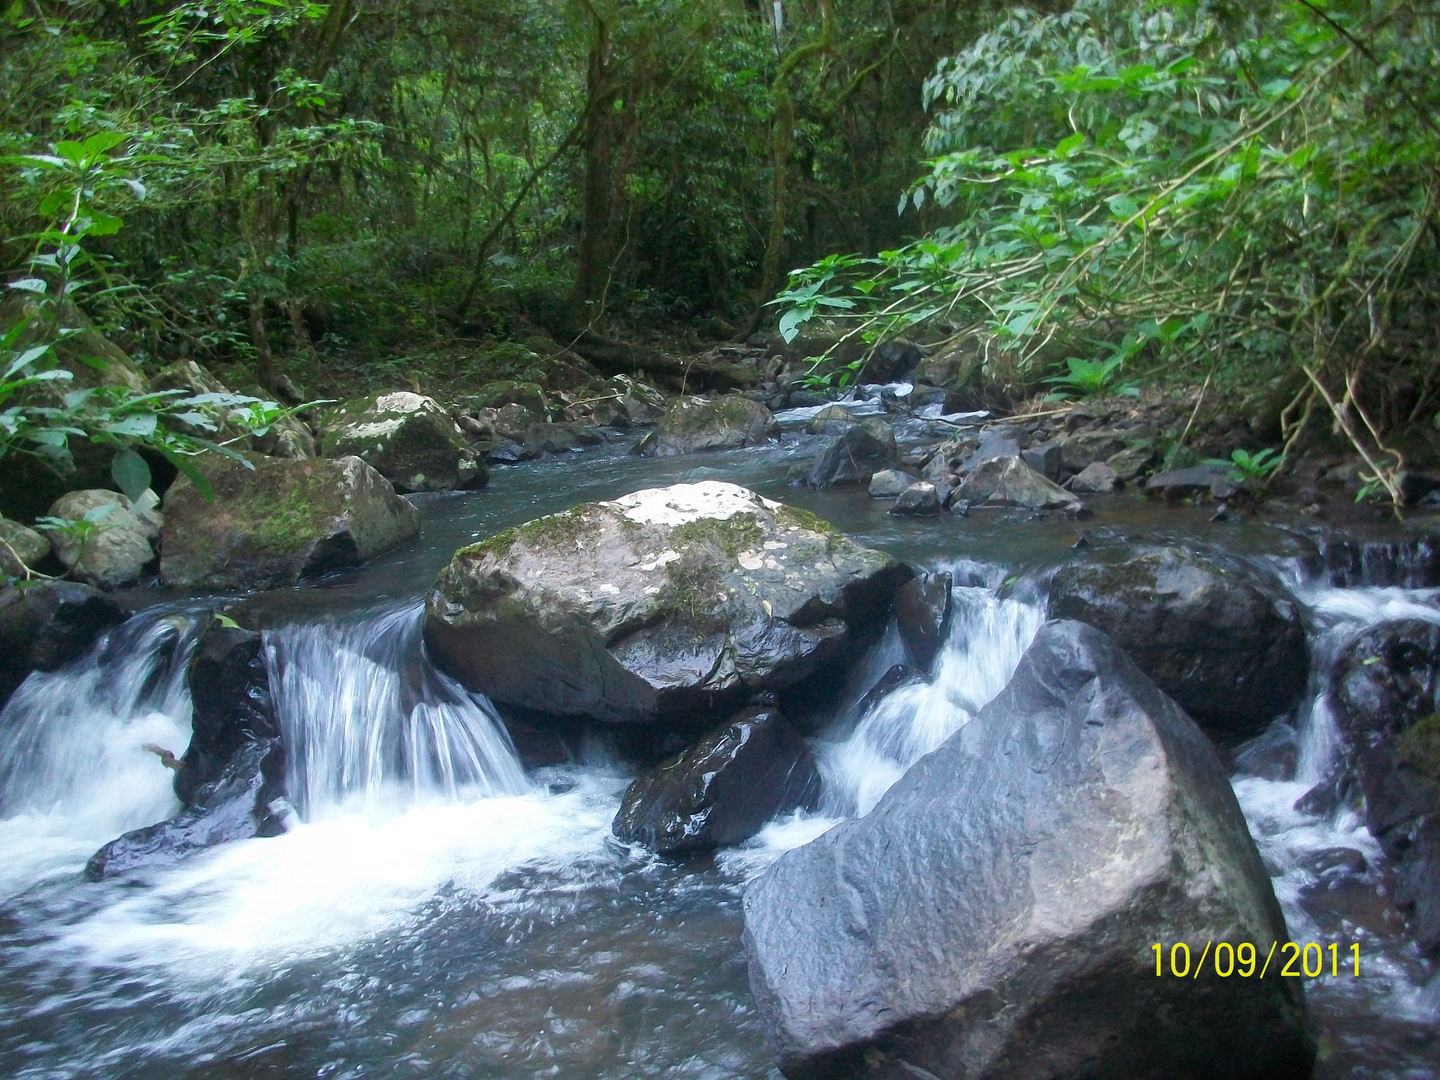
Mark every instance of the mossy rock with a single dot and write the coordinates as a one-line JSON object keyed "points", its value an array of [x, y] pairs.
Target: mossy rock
{"points": [[694, 424], [279, 522], [668, 603], [496, 395], [408, 438]]}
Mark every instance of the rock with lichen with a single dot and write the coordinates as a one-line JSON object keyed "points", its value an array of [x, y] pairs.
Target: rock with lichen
{"points": [[693, 424], [669, 602], [410, 439]]}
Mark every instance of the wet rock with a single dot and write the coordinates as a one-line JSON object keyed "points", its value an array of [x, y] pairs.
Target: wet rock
{"points": [[889, 483], [667, 602], [20, 548], [994, 915], [1223, 642], [1410, 564], [1008, 481], [831, 420], [559, 438], [408, 438], [510, 421], [509, 452], [694, 424], [113, 544], [279, 522], [723, 789], [920, 499], [47, 624], [231, 703], [246, 800], [1097, 478], [896, 678], [1187, 483], [890, 361], [1385, 694], [1336, 862], [922, 614], [1086, 447], [640, 402], [855, 455]]}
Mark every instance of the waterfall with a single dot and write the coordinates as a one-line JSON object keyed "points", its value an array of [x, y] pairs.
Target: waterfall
{"points": [[367, 719], [862, 757]]}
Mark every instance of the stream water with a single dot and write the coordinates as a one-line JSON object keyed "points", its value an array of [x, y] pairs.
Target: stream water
{"points": [[436, 911]]}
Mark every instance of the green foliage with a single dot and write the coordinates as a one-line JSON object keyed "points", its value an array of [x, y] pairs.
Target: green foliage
{"points": [[1245, 466], [1089, 378], [1208, 188]]}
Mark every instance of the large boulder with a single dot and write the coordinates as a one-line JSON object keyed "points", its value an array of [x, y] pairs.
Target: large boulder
{"points": [[231, 781], [669, 601], [46, 624], [1385, 695], [1008, 481], [496, 395], [278, 522], [110, 541], [1226, 644], [996, 914], [860, 450], [693, 424], [723, 789], [408, 438]]}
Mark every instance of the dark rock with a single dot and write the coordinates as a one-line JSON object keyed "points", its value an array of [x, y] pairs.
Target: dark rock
{"points": [[922, 613], [1336, 862], [1186, 483], [806, 399], [278, 522], [496, 395], [896, 678], [1008, 481], [918, 500], [855, 455], [509, 452], [668, 602], [889, 361], [1410, 564], [246, 800], [47, 624], [1128, 464], [723, 789], [408, 438], [831, 420], [995, 914], [1223, 642], [1044, 459], [559, 438], [694, 424], [231, 704], [1271, 755], [991, 448], [1087, 447], [1385, 693]]}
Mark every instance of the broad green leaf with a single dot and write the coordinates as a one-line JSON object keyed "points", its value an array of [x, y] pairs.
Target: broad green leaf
{"points": [[131, 473]]}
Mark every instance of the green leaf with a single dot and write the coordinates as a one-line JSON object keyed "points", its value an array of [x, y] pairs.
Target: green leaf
{"points": [[131, 473], [1069, 145]]}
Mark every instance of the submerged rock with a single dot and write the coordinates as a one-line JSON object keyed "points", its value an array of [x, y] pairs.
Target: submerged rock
{"points": [[723, 789], [409, 439], [1385, 692], [46, 624], [669, 601], [279, 522], [231, 780], [1223, 642], [995, 914], [113, 547], [694, 424], [1008, 481]]}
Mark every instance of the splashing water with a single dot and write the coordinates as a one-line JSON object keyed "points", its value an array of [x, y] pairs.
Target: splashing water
{"points": [[987, 637], [367, 718]]}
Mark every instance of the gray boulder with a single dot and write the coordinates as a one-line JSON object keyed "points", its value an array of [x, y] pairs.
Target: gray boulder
{"points": [[113, 544], [408, 438], [996, 914], [670, 601], [278, 522], [1223, 642], [723, 789], [1187, 483], [856, 454], [1084, 447], [1097, 478], [694, 424], [1008, 481], [921, 499], [889, 483]]}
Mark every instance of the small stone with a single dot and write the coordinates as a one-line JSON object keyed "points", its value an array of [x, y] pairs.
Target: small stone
{"points": [[1097, 478], [918, 500]]}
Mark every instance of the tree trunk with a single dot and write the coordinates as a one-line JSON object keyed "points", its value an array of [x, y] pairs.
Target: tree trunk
{"points": [[597, 226]]}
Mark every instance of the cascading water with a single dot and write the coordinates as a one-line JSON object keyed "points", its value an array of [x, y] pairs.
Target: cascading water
{"points": [[366, 717]]}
